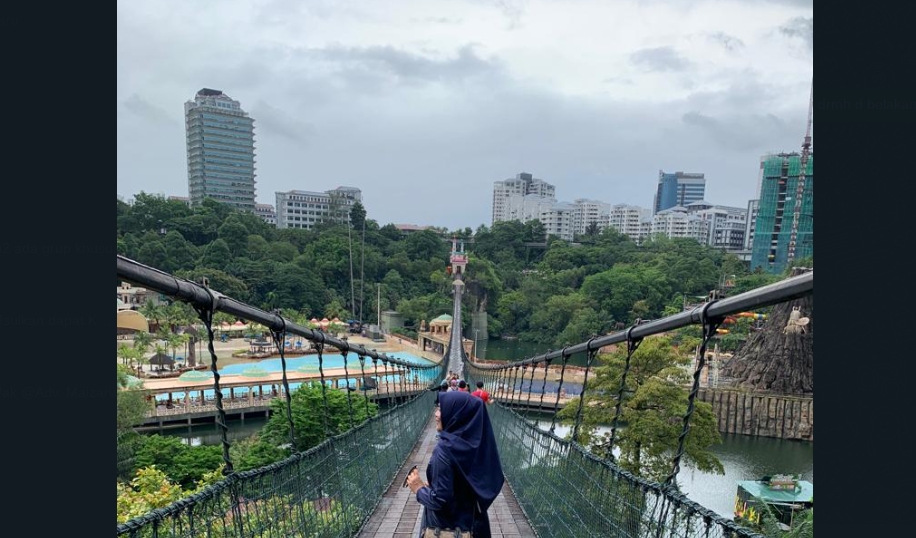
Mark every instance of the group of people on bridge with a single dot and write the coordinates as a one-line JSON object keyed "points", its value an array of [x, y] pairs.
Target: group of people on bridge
{"points": [[464, 474]]}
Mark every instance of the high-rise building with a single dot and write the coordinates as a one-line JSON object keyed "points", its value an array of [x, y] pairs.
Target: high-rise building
{"points": [[778, 195], [676, 222], [267, 213], [727, 225], [522, 184], [588, 212], [525, 207], [305, 209], [220, 141], [628, 220], [678, 189], [558, 220]]}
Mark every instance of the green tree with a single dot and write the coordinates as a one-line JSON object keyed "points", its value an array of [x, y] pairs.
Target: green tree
{"points": [[654, 405], [357, 216], [217, 255], [179, 253], [235, 235], [153, 254], [308, 416], [182, 463]]}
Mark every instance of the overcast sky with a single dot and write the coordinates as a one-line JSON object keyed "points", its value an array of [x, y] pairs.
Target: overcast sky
{"points": [[422, 104]]}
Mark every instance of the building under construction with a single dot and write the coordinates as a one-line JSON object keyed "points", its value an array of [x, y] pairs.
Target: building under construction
{"points": [[778, 238]]}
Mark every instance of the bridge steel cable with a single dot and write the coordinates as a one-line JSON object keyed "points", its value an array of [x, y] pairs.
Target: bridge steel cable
{"points": [[321, 491], [569, 491]]}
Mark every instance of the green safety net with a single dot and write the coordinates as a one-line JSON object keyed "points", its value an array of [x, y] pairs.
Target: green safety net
{"points": [[566, 492], [328, 491]]}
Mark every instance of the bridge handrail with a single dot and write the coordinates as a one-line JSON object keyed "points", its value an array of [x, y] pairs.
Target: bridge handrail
{"points": [[197, 295], [784, 290]]}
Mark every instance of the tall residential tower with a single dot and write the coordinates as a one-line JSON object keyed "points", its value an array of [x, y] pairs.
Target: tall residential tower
{"points": [[220, 138]]}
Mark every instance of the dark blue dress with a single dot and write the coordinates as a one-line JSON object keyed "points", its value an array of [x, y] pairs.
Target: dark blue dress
{"points": [[464, 472]]}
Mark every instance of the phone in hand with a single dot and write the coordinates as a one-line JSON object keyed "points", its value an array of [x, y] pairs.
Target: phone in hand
{"points": [[412, 469]]}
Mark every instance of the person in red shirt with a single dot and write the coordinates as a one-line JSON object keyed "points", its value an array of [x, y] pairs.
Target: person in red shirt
{"points": [[482, 394], [463, 386]]}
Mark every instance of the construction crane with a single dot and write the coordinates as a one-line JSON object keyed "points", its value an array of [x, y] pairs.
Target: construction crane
{"points": [[805, 153]]}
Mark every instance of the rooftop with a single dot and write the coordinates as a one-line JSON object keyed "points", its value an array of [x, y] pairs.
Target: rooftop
{"points": [[803, 494]]}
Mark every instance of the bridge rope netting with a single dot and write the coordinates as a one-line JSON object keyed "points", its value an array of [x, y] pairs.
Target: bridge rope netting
{"points": [[329, 490], [567, 491]]}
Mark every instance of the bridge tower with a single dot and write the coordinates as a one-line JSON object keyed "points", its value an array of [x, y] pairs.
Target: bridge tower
{"points": [[459, 258]]}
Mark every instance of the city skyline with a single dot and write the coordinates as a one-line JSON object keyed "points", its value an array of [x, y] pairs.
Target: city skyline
{"points": [[403, 100]]}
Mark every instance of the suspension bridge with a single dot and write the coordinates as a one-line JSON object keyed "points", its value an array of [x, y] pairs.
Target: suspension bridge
{"points": [[349, 485]]}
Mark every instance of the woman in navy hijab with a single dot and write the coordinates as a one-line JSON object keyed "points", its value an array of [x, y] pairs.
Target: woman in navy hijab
{"points": [[464, 472]]}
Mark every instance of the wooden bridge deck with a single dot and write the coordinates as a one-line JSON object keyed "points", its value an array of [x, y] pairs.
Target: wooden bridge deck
{"points": [[398, 513]]}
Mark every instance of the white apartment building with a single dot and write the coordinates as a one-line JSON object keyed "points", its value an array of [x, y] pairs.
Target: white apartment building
{"points": [[676, 222], [267, 213], [558, 220], [727, 225], [522, 184], [305, 209], [629, 220], [527, 207], [588, 212]]}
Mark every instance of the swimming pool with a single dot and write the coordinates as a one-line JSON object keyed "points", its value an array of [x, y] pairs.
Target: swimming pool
{"points": [[335, 360]]}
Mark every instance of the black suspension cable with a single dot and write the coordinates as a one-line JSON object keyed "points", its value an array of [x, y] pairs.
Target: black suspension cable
{"points": [[710, 325], [206, 316], [324, 389], [553, 420], [280, 341], [632, 346], [347, 379], [590, 354], [362, 368]]}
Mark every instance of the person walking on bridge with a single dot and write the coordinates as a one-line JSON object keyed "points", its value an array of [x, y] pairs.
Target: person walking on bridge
{"points": [[482, 394], [464, 472]]}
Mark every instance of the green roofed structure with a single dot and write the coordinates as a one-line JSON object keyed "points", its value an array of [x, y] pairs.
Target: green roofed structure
{"points": [[784, 496]]}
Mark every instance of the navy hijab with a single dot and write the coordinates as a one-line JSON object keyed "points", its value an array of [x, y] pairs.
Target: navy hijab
{"points": [[467, 438]]}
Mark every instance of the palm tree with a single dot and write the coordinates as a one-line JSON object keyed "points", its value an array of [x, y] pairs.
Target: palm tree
{"points": [[153, 311], [127, 354]]}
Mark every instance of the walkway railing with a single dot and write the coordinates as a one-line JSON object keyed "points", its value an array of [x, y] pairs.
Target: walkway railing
{"points": [[327, 491], [568, 492]]}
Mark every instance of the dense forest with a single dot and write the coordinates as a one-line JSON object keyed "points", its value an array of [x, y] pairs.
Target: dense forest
{"points": [[559, 294]]}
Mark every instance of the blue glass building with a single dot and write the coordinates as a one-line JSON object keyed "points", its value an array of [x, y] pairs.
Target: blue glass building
{"points": [[220, 138], [678, 189]]}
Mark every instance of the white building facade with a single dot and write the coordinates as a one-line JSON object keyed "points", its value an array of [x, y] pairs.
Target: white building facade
{"points": [[559, 220], [306, 209], [267, 213], [727, 225], [588, 212], [629, 220], [523, 184], [676, 222]]}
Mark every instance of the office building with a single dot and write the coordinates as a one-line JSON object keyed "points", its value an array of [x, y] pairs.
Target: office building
{"points": [[678, 189], [220, 146], [305, 209]]}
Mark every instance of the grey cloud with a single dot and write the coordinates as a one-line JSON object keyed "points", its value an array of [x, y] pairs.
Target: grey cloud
{"points": [[742, 132], [410, 67], [731, 43], [800, 27], [659, 59], [146, 110], [272, 120]]}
